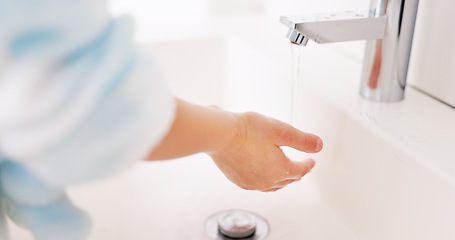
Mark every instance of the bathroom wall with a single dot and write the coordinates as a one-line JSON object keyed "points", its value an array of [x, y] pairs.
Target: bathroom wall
{"points": [[310, 6], [278, 7], [224, 7], [144, 10], [432, 68]]}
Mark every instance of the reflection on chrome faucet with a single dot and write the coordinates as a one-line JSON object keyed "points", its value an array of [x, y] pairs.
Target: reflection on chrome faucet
{"points": [[389, 28]]}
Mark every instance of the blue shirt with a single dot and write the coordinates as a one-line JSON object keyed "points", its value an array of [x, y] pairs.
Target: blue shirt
{"points": [[78, 101]]}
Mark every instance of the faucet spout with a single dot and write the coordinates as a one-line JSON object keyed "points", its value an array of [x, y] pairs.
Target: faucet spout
{"points": [[297, 38], [388, 28], [334, 27]]}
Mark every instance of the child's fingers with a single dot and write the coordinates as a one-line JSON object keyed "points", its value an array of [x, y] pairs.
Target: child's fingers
{"points": [[272, 189], [299, 169], [292, 137], [284, 183]]}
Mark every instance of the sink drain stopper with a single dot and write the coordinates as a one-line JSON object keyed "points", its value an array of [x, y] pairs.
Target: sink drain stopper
{"points": [[236, 224]]}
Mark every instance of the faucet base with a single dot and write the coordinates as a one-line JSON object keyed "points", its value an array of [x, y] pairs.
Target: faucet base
{"points": [[386, 61]]}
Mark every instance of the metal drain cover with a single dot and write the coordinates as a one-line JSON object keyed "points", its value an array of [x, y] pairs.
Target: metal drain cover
{"points": [[236, 224]]}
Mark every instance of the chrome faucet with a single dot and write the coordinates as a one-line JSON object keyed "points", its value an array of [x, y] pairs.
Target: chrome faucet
{"points": [[389, 28]]}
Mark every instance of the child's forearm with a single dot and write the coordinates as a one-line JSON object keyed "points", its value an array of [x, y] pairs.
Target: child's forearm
{"points": [[246, 147], [197, 129]]}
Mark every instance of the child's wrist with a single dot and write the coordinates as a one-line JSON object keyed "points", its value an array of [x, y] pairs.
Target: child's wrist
{"points": [[235, 135]]}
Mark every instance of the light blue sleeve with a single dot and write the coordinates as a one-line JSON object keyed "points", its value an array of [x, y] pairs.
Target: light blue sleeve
{"points": [[78, 101], [76, 95]]}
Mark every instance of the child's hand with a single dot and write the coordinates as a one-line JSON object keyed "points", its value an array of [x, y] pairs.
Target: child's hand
{"points": [[246, 147], [254, 160]]}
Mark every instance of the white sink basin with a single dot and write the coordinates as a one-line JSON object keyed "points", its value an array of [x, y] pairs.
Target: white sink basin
{"points": [[371, 182], [366, 185]]}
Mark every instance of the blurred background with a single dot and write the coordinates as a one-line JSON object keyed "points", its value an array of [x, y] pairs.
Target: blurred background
{"points": [[150, 14]]}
